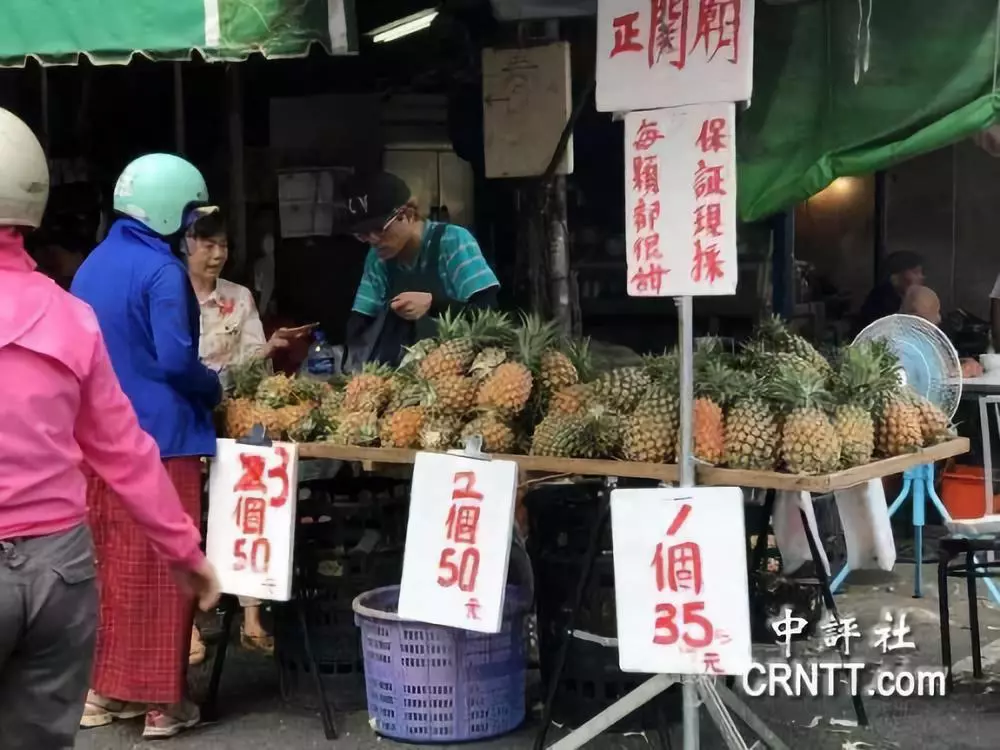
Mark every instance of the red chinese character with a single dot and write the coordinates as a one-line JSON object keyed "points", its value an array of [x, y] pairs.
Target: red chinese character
{"points": [[465, 486], [668, 32], [683, 567], [646, 175], [707, 264], [707, 180], [472, 609], [712, 137], [252, 479], [647, 248], [647, 134], [722, 637], [644, 216], [250, 515], [649, 278], [626, 34], [464, 573], [462, 523], [708, 219], [281, 474], [718, 27], [712, 661]]}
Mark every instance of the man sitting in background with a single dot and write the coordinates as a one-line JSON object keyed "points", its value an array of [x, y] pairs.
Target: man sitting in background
{"points": [[903, 270], [923, 302]]}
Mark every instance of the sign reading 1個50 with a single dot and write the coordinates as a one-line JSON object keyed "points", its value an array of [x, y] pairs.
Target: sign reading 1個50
{"points": [[670, 53]]}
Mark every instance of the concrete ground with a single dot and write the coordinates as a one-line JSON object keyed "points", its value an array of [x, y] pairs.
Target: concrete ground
{"points": [[253, 716]]}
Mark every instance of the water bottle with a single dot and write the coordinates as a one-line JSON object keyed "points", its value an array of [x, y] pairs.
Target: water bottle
{"points": [[322, 360]]}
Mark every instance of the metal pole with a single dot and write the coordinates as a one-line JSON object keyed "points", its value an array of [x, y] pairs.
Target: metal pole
{"points": [[692, 732], [179, 108]]}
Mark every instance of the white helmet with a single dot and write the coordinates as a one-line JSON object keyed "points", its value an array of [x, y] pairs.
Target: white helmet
{"points": [[24, 174]]}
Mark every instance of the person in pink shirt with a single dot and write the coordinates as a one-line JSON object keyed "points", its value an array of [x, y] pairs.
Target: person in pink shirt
{"points": [[61, 408]]}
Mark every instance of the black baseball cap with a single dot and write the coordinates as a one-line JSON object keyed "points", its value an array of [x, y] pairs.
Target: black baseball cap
{"points": [[372, 200]]}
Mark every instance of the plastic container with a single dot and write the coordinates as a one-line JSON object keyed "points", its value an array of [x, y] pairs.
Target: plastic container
{"points": [[322, 358], [963, 494], [433, 684]]}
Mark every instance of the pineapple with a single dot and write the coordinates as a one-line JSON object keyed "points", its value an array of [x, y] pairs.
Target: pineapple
{"points": [[769, 363], [592, 433], [776, 336], [751, 429], [621, 389], [809, 442], [897, 421], [356, 428], [855, 387], [570, 400], [369, 390], [508, 388], [405, 390], [440, 432], [312, 426], [651, 433], [935, 427], [330, 406], [454, 393], [708, 431], [488, 360], [245, 379], [275, 392], [497, 434], [458, 339], [564, 367], [401, 428], [239, 417]]}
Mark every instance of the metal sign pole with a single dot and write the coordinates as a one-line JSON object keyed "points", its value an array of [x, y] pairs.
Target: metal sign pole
{"points": [[685, 461]]}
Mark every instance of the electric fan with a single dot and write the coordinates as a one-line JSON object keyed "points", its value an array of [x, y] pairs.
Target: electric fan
{"points": [[928, 362]]}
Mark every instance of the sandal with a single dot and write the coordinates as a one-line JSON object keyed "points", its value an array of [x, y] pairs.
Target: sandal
{"points": [[263, 644], [99, 711], [197, 653], [164, 722]]}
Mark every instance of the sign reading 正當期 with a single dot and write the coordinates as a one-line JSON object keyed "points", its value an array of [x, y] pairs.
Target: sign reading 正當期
{"points": [[670, 53]]}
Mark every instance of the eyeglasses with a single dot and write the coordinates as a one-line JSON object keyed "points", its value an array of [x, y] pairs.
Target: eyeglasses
{"points": [[373, 237]]}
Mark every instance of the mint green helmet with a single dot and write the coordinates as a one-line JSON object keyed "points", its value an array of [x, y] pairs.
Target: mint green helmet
{"points": [[156, 189]]}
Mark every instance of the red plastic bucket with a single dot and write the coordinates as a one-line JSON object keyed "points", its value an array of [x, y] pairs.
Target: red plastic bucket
{"points": [[962, 492]]}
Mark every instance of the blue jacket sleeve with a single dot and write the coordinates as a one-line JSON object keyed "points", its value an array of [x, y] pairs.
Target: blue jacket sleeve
{"points": [[176, 350]]}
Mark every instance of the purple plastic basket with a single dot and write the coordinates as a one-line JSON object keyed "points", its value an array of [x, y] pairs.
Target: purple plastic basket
{"points": [[428, 683]]}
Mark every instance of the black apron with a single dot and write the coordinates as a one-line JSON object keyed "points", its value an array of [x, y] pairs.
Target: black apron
{"points": [[387, 338]]}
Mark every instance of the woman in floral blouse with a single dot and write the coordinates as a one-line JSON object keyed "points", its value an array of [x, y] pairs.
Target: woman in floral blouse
{"points": [[231, 334]]}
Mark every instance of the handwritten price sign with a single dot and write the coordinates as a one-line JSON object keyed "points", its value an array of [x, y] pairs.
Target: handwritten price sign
{"points": [[680, 201], [669, 53], [251, 518], [681, 593], [458, 542]]}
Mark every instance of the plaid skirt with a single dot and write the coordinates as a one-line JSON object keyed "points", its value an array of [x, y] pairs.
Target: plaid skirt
{"points": [[144, 636]]}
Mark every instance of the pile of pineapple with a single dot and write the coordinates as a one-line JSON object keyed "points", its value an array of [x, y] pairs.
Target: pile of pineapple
{"points": [[776, 405]]}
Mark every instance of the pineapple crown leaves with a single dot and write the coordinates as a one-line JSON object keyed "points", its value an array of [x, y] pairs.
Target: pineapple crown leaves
{"points": [[713, 380], [800, 391], [378, 369], [245, 379], [859, 376], [416, 353], [532, 338], [664, 369], [578, 352]]}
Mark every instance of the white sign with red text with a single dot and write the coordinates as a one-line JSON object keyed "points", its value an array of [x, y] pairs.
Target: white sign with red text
{"points": [[251, 518], [670, 53], [680, 201], [681, 592], [458, 541]]}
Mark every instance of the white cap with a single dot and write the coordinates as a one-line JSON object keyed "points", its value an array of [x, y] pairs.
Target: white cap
{"points": [[24, 174]]}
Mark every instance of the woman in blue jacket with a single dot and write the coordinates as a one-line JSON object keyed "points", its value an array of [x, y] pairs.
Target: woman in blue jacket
{"points": [[137, 283]]}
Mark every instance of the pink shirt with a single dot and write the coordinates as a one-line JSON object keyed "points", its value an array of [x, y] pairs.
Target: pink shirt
{"points": [[61, 406]]}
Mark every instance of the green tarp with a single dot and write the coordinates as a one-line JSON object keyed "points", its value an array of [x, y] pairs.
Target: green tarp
{"points": [[930, 82], [112, 31]]}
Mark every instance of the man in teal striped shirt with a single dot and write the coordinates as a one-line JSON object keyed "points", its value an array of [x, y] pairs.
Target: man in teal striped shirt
{"points": [[415, 271]]}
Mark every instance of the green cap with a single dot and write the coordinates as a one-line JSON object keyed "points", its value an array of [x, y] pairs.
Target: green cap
{"points": [[158, 189]]}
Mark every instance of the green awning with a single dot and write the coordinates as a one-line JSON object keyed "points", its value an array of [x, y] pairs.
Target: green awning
{"points": [[931, 81], [113, 31]]}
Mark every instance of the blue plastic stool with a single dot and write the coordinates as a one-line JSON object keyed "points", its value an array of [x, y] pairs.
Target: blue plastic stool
{"points": [[919, 480]]}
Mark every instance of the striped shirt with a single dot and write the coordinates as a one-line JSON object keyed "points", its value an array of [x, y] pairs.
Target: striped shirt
{"points": [[462, 269]]}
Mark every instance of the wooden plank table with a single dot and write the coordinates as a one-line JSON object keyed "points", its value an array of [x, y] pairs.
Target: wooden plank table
{"points": [[370, 458]]}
